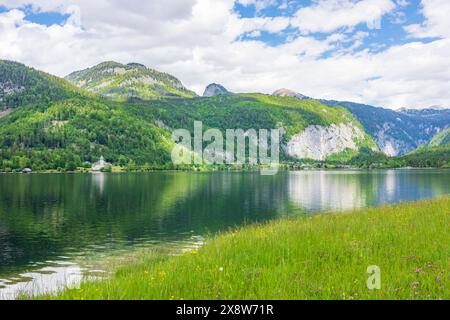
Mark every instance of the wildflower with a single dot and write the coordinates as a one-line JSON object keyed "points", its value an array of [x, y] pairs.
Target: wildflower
{"points": [[221, 269], [418, 270]]}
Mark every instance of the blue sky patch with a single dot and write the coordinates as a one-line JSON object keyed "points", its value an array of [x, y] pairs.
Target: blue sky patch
{"points": [[358, 38], [43, 18], [47, 18]]}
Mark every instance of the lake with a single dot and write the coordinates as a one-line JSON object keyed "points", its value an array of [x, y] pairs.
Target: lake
{"points": [[51, 224]]}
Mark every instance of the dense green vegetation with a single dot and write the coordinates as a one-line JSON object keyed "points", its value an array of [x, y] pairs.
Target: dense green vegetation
{"points": [[20, 85], [437, 157], [75, 132], [68, 133], [122, 82], [423, 157], [247, 111], [364, 157], [441, 139], [320, 257]]}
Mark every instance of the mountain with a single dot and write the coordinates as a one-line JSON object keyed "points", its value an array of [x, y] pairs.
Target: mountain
{"points": [[74, 129], [215, 89], [52, 124], [21, 85], [289, 93], [432, 112], [395, 132], [311, 130], [441, 139], [398, 132], [68, 133], [48, 123], [125, 81]]}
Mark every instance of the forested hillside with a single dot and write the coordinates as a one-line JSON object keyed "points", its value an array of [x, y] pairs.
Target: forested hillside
{"points": [[20, 85], [47, 123], [68, 133], [441, 139], [259, 111], [428, 157]]}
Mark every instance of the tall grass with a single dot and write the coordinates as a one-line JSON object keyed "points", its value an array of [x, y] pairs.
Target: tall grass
{"points": [[321, 257]]}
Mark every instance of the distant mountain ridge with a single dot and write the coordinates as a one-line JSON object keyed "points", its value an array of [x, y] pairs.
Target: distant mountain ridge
{"points": [[395, 132], [398, 133], [124, 81]]}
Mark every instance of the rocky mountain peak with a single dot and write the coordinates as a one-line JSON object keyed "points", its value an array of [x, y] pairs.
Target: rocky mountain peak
{"points": [[289, 93], [215, 89]]}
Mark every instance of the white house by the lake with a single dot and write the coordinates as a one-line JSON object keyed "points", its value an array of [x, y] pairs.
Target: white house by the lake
{"points": [[99, 165]]}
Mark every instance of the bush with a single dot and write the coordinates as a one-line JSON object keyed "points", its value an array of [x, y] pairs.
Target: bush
{"points": [[107, 168]]}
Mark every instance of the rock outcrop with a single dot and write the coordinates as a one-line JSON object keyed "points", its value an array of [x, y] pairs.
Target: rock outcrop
{"points": [[319, 142], [289, 93], [215, 89]]}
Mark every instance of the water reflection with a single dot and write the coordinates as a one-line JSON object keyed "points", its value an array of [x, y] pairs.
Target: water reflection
{"points": [[47, 216], [319, 191], [341, 190], [44, 280]]}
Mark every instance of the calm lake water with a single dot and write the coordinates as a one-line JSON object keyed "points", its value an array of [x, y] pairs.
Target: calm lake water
{"points": [[51, 224]]}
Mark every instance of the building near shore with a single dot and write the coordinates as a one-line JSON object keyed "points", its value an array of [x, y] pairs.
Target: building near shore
{"points": [[100, 165]]}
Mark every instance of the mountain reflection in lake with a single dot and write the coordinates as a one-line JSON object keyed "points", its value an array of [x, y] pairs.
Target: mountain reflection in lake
{"points": [[66, 217]]}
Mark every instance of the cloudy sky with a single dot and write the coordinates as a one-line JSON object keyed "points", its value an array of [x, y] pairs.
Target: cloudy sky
{"points": [[392, 53]]}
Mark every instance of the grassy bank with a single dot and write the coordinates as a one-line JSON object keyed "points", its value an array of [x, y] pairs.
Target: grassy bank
{"points": [[322, 257]]}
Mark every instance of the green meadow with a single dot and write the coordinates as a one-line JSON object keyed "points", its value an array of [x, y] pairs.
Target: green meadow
{"points": [[325, 256]]}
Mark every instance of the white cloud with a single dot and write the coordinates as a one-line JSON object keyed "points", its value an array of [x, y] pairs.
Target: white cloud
{"points": [[197, 42], [330, 15], [272, 25], [437, 22]]}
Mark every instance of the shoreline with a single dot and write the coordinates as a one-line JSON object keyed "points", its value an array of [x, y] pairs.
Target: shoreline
{"points": [[226, 170], [325, 256]]}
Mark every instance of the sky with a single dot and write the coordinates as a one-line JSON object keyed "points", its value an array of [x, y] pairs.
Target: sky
{"points": [[390, 53]]}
